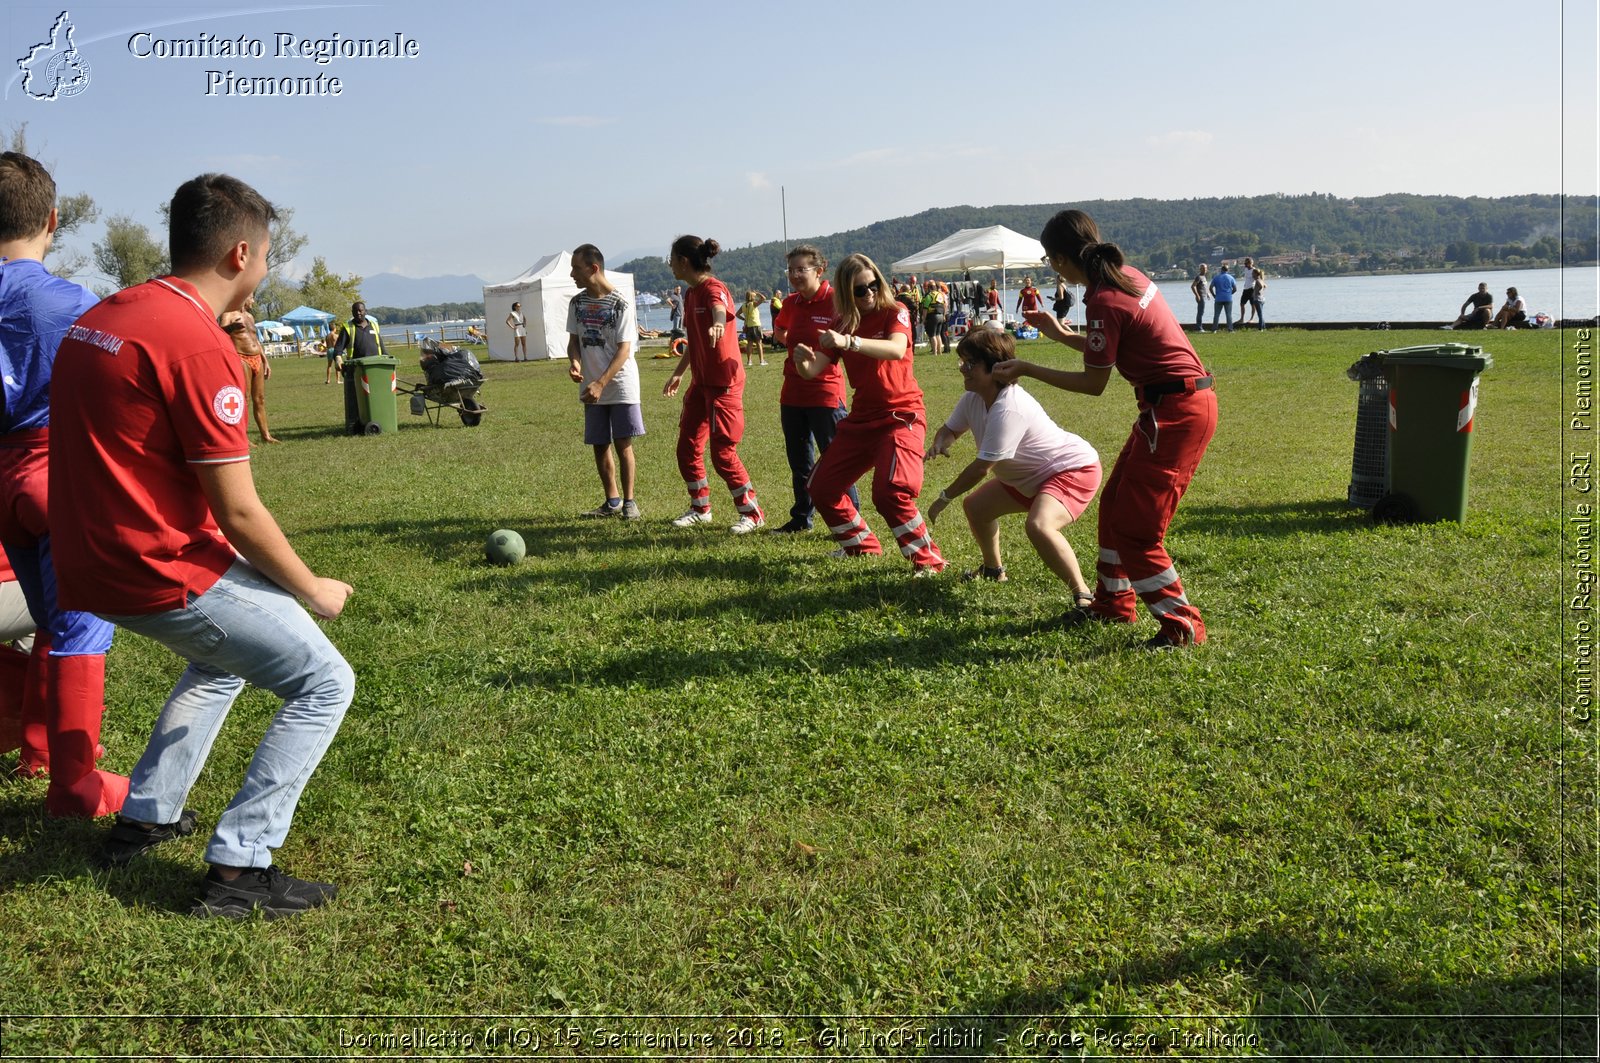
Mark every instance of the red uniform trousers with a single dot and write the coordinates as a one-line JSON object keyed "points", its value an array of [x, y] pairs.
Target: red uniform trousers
{"points": [[891, 445], [64, 696], [715, 415], [1137, 504]]}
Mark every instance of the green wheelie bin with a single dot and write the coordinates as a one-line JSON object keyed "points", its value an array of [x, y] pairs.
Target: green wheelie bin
{"points": [[1433, 398], [375, 391]]}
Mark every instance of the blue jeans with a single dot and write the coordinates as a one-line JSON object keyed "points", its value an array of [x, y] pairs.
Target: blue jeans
{"points": [[244, 629], [1199, 315], [1218, 309], [801, 425]]}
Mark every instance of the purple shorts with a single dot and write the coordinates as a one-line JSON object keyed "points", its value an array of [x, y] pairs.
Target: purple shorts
{"points": [[604, 425]]}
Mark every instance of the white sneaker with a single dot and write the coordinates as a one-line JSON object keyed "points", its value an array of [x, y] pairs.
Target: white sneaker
{"points": [[839, 554], [748, 524], [693, 517]]}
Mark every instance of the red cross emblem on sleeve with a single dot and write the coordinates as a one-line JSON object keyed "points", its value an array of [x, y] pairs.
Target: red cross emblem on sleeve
{"points": [[228, 405]]}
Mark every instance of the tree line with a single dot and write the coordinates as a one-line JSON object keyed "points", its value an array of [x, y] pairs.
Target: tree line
{"points": [[1311, 235]]}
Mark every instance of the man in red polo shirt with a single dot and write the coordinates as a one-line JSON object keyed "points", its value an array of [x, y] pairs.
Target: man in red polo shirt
{"points": [[157, 527]]}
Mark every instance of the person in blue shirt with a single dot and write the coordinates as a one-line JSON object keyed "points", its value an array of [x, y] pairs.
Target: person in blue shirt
{"points": [[68, 659], [1222, 288]]}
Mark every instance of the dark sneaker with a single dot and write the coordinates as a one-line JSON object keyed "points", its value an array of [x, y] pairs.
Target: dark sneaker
{"points": [[128, 839], [792, 527], [261, 889], [630, 510], [603, 510]]}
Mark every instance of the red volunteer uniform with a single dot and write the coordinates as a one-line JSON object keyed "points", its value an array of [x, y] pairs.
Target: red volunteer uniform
{"points": [[132, 531], [713, 405], [802, 321], [885, 433], [1141, 338]]}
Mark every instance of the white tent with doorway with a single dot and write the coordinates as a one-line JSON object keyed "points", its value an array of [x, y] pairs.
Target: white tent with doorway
{"points": [[544, 291]]}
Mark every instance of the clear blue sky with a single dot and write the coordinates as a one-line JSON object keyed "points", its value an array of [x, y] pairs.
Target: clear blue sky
{"points": [[523, 128]]}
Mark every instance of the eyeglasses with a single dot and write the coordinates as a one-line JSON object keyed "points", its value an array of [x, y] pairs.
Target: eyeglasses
{"points": [[865, 289], [800, 271]]}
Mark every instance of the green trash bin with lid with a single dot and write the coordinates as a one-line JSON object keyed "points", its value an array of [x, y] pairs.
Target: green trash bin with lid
{"points": [[375, 393], [1433, 400]]}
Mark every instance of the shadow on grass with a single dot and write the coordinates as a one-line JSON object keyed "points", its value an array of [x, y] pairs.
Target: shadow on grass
{"points": [[1360, 1011], [977, 644], [1283, 518], [50, 849]]}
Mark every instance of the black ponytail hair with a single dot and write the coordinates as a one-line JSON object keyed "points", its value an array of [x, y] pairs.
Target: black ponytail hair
{"points": [[698, 252], [1073, 235]]}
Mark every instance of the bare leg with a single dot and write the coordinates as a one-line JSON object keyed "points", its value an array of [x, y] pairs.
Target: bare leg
{"points": [[984, 507], [608, 471], [1045, 521], [626, 464], [258, 405]]}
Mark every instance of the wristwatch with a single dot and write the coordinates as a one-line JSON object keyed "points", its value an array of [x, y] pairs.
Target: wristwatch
{"points": [[855, 343]]}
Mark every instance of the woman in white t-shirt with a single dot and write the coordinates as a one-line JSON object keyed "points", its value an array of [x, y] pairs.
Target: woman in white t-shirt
{"points": [[1039, 468]]}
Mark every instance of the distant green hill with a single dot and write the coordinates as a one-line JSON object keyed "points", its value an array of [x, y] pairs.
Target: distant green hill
{"points": [[1304, 235]]}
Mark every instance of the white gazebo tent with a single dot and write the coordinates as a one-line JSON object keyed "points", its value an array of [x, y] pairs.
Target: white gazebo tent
{"points": [[995, 247], [544, 291]]}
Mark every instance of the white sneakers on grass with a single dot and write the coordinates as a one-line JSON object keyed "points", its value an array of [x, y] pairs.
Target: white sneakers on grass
{"points": [[747, 524], [691, 518]]}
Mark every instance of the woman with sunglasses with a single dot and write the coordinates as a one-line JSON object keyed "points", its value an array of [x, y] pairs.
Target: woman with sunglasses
{"points": [[713, 407], [1039, 468], [887, 425], [1131, 329]]}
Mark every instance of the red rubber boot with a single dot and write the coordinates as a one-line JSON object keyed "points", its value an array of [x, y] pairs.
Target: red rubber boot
{"points": [[77, 694], [13, 688], [35, 759]]}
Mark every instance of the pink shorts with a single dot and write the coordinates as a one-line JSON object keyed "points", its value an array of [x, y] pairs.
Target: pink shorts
{"points": [[1073, 488]]}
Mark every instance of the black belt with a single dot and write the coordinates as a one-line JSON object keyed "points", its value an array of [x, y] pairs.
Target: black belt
{"points": [[1152, 393]]}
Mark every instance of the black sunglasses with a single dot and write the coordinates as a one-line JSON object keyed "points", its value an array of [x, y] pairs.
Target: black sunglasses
{"points": [[863, 289]]}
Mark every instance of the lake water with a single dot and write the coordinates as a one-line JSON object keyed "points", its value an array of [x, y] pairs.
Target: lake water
{"points": [[1572, 293]]}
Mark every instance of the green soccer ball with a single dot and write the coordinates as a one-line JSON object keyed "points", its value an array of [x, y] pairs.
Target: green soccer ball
{"points": [[504, 548]]}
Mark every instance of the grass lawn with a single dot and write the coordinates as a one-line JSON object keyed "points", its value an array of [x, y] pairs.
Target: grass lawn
{"points": [[824, 808]]}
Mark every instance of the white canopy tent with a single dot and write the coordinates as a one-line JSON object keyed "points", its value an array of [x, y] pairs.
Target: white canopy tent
{"points": [[544, 291], [995, 247]]}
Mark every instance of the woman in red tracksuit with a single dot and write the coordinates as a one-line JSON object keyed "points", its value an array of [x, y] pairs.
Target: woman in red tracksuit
{"points": [[713, 407], [887, 425], [1130, 328]]}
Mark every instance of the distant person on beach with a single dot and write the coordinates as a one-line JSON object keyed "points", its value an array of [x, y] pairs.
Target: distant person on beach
{"points": [[1514, 314], [1028, 299], [602, 336], [991, 300], [808, 409], [157, 527], [750, 310], [1247, 290], [1131, 330], [1475, 312], [675, 308], [933, 316], [1061, 305], [1038, 467], [241, 325], [713, 407], [1258, 296], [330, 351], [1198, 288], [886, 430], [1222, 286], [518, 324]]}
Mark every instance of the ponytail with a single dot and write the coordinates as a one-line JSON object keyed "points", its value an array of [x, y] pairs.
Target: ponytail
{"points": [[698, 252], [1073, 235]]}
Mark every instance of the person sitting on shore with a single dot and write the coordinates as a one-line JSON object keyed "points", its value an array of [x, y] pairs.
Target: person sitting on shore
{"points": [[1475, 311], [1514, 314]]}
